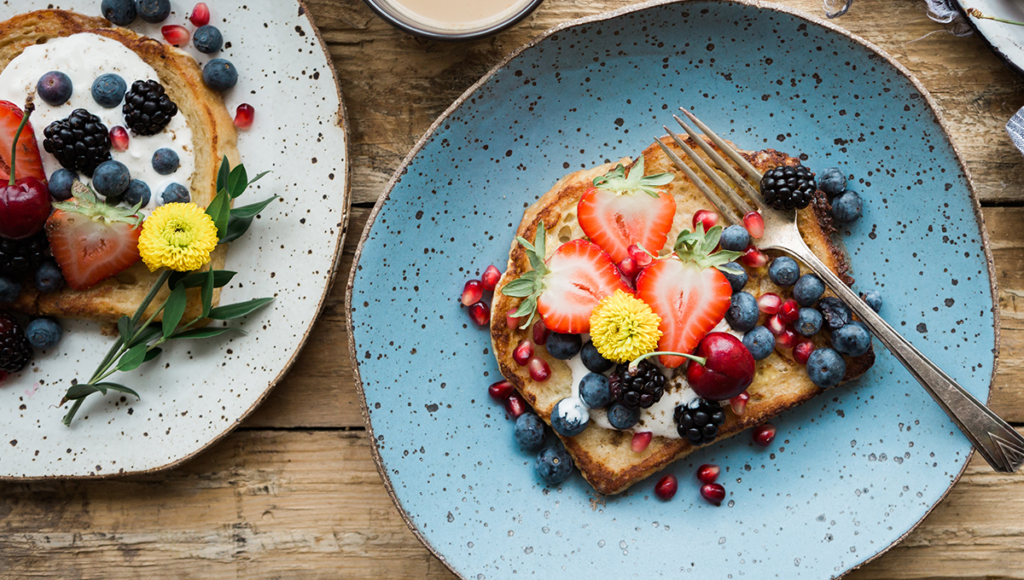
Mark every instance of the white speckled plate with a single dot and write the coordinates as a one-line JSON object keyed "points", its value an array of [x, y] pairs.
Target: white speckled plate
{"points": [[198, 392], [1006, 40]]}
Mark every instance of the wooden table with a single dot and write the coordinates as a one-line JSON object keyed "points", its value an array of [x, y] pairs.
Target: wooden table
{"points": [[293, 493]]}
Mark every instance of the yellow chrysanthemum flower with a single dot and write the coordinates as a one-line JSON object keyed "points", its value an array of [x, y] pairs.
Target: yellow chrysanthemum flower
{"points": [[177, 236], [624, 327]]}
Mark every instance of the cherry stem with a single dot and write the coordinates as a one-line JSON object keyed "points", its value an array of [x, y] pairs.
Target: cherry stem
{"points": [[29, 107], [697, 359]]}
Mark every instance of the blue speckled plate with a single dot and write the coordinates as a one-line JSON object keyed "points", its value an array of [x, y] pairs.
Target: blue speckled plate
{"points": [[850, 473]]}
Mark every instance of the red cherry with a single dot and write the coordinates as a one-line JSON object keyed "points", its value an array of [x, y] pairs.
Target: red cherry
{"points": [[480, 313], [713, 492], [500, 390], [25, 202], [628, 267], [515, 405], [727, 371], [790, 311], [763, 435], [754, 224], [119, 139], [769, 303], [802, 351], [244, 116], [739, 403], [523, 353], [472, 292], [641, 441], [490, 278], [708, 218], [176, 34], [200, 15], [512, 322], [708, 473], [753, 258], [540, 333], [539, 369], [666, 487]]}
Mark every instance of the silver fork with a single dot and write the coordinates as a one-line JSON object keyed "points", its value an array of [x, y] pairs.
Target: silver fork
{"points": [[998, 442]]}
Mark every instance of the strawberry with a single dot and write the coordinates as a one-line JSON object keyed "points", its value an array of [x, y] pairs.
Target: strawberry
{"points": [[564, 289], [620, 210], [90, 240], [687, 291], [29, 164]]}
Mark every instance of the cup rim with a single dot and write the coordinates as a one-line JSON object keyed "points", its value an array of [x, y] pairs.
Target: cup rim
{"points": [[413, 30]]}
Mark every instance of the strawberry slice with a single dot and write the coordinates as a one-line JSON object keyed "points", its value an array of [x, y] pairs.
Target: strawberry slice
{"points": [[29, 164], [91, 240], [621, 210], [687, 291], [565, 289]]}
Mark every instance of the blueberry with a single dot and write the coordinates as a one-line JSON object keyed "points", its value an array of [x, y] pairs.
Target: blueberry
{"points": [[219, 74], [735, 274], [138, 193], [593, 360], [622, 417], [564, 346], [529, 432], [9, 290], [760, 342], [120, 12], [808, 290], [174, 193], [111, 178], [153, 11], [554, 465], [594, 391], [54, 88], [810, 322], [569, 417], [832, 182], [165, 161], [852, 339], [873, 299], [207, 39], [826, 368], [108, 90], [743, 312], [49, 278], [847, 207], [43, 333], [735, 238], [60, 184], [836, 312], [784, 271]]}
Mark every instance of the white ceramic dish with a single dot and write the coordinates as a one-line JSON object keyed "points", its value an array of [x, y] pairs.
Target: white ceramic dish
{"points": [[199, 391], [1006, 40]]}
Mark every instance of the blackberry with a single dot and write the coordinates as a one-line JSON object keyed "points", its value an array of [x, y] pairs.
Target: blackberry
{"points": [[641, 388], [19, 258], [698, 420], [15, 350], [79, 142], [147, 108], [788, 187]]}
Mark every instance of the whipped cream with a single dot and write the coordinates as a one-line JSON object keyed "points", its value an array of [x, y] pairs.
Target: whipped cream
{"points": [[84, 57]]}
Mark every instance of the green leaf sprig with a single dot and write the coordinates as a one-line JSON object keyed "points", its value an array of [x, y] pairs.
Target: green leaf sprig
{"points": [[530, 285], [619, 182], [699, 247]]}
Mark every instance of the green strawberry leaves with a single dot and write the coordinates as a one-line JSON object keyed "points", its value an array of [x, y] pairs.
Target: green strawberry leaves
{"points": [[698, 247], [531, 284], [619, 182]]}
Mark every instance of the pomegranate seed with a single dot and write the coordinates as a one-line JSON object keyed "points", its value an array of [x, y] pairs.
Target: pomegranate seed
{"points": [[769, 303], [754, 224], [244, 116], [500, 390], [776, 325], [539, 369], [753, 258], [713, 492], [708, 472], [515, 405], [480, 313], [640, 256], [802, 351], [176, 34], [628, 267], [119, 139], [666, 487], [472, 292], [764, 434], [739, 403], [641, 441], [790, 311], [708, 218], [786, 340], [512, 322], [490, 278], [523, 353], [540, 332], [200, 15]]}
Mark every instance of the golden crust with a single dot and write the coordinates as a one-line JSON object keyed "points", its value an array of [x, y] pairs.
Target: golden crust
{"points": [[213, 132], [604, 456]]}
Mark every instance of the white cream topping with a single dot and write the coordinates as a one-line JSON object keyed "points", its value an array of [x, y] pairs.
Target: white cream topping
{"points": [[84, 57]]}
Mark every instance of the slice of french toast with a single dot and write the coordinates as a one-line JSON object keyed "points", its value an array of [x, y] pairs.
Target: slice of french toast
{"points": [[214, 137], [603, 456]]}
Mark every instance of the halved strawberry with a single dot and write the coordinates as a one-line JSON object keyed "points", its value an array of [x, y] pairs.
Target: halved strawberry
{"points": [[90, 240], [687, 291], [566, 288], [29, 164], [619, 211]]}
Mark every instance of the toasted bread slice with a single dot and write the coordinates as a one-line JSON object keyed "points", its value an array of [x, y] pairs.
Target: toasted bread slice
{"points": [[213, 132], [605, 457]]}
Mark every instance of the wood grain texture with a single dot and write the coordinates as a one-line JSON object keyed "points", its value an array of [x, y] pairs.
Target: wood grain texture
{"points": [[294, 493]]}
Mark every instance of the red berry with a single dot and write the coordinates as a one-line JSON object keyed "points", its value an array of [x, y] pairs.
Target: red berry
{"points": [[515, 405], [490, 278], [641, 441], [802, 351], [739, 403], [666, 487], [628, 267], [776, 325], [764, 434], [786, 340], [713, 492], [244, 116], [472, 292], [769, 303], [200, 15], [480, 313], [708, 218], [176, 34], [511, 321], [727, 371], [119, 139], [754, 224], [708, 473], [753, 258], [540, 333], [500, 390], [539, 369], [523, 353], [641, 257], [790, 311]]}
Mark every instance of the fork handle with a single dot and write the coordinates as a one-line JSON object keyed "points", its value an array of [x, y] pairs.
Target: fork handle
{"points": [[999, 443]]}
